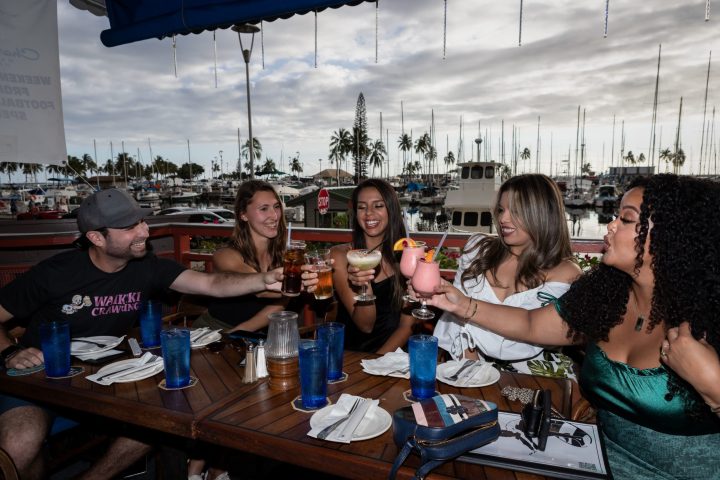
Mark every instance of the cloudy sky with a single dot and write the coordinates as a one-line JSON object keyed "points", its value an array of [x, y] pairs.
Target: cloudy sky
{"points": [[130, 93]]}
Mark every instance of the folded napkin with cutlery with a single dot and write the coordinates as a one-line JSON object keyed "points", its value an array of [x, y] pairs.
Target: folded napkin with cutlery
{"points": [[394, 364], [203, 336], [344, 418], [477, 373], [97, 355], [126, 369]]}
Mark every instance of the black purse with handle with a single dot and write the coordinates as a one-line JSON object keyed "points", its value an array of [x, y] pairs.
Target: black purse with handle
{"points": [[442, 428]]}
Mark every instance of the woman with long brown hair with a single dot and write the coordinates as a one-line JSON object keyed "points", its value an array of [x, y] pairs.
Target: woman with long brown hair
{"points": [[257, 245], [379, 325], [531, 253]]}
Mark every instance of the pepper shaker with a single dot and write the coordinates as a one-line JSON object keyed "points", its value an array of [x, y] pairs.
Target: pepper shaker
{"points": [[250, 374], [260, 362]]}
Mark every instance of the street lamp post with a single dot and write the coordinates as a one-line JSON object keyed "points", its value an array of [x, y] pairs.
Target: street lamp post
{"points": [[251, 29], [478, 141]]}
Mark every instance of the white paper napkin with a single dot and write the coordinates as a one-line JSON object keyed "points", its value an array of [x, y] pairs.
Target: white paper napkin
{"points": [[476, 374], [340, 410], [396, 364], [126, 369]]}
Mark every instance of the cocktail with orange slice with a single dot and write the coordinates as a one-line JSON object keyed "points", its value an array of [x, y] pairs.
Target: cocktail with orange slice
{"points": [[412, 251]]}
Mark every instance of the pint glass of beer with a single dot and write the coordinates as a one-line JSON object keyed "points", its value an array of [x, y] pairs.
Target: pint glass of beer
{"points": [[292, 261], [320, 261]]}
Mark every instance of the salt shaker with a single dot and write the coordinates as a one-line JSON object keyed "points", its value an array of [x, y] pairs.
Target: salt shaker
{"points": [[250, 374], [260, 363]]}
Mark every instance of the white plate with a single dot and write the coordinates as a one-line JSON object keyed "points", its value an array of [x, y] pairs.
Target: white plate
{"points": [[447, 369], [372, 424], [122, 364], [78, 347], [207, 340]]}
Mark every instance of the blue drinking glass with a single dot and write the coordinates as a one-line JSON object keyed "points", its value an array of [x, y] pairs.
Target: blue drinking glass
{"points": [[176, 356], [313, 358], [333, 333], [150, 323], [423, 350], [55, 344]]}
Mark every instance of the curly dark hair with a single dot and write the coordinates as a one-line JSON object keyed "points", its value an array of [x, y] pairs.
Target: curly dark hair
{"points": [[681, 215]]}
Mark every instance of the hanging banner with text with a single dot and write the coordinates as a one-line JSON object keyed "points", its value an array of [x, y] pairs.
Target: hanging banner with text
{"points": [[31, 119]]}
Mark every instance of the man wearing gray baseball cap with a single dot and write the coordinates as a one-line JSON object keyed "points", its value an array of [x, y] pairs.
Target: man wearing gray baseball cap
{"points": [[113, 269]]}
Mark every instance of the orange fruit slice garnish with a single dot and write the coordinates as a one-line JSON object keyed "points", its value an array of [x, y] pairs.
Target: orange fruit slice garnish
{"points": [[402, 243], [429, 255]]}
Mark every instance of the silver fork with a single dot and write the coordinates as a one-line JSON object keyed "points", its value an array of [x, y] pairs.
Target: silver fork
{"points": [[456, 375], [325, 432]]}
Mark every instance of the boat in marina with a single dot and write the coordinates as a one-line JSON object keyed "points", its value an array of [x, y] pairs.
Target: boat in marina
{"points": [[579, 194], [469, 208], [607, 196]]}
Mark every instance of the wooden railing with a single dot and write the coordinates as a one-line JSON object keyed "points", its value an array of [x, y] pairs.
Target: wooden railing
{"points": [[21, 250]]}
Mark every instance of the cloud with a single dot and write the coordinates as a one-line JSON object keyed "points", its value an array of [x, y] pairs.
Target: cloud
{"points": [[131, 93]]}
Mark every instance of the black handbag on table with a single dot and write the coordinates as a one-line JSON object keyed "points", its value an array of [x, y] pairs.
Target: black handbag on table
{"points": [[442, 428]]}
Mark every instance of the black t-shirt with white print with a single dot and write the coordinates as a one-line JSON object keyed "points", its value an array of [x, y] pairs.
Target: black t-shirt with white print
{"points": [[69, 286]]}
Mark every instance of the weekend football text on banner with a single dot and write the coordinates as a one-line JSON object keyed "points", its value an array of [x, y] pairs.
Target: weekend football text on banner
{"points": [[31, 119]]}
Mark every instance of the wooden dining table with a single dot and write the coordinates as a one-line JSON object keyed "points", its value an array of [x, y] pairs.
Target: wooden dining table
{"points": [[222, 410]]}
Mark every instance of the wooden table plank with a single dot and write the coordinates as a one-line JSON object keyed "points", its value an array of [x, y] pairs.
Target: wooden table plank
{"points": [[264, 423]]}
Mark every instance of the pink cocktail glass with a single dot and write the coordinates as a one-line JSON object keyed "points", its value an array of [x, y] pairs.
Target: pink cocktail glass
{"points": [[424, 281], [408, 263]]}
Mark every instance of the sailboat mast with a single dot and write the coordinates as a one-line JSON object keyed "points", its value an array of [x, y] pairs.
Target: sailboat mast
{"points": [[702, 139], [651, 149]]}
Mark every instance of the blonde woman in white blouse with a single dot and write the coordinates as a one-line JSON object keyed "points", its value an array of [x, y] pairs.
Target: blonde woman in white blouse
{"points": [[530, 254]]}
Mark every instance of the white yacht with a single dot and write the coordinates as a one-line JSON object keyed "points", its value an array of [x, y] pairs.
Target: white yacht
{"points": [[470, 206], [607, 196]]}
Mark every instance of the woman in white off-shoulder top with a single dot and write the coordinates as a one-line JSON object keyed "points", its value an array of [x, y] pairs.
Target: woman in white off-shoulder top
{"points": [[531, 254]]}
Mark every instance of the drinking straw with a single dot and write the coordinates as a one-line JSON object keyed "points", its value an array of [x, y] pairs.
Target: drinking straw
{"points": [[289, 233], [407, 227], [437, 249]]}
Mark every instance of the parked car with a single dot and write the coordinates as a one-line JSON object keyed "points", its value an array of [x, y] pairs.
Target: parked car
{"points": [[174, 211], [205, 216], [41, 215]]}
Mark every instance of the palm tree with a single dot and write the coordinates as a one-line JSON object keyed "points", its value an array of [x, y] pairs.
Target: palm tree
{"points": [[75, 165], [641, 158], [525, 154], [630, 158], [422, 145], [9, 168], [295, 165], [88, 163], [54, 169], [404, 144], [341, 143], [257, 149], [31, 169], [269, 165], [449, 160], [377, 155], [678, 160], [666, 154], [505, 172]]}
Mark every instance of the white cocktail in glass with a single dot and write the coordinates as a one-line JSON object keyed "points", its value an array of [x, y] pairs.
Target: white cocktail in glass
{"points": [[364, 260]]}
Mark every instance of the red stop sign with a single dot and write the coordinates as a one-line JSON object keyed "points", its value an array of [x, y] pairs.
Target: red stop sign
{"points": [[323, 201]]}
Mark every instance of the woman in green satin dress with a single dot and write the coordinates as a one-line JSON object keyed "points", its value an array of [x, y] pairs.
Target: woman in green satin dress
{"points": [[648, 318]]}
